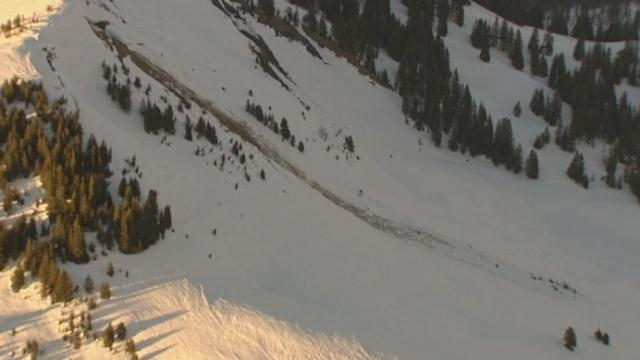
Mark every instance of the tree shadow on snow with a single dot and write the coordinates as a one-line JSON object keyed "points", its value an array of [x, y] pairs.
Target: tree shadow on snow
{"points": [[149, 323], [155, 354], [5, 349], [19, 321], [156, 339]]}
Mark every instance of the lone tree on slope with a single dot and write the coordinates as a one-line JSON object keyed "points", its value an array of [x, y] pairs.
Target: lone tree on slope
{"points": [[570, 339]]}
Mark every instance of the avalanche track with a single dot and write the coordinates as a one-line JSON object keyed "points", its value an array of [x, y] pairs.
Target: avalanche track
{"points": [[417, 236]]}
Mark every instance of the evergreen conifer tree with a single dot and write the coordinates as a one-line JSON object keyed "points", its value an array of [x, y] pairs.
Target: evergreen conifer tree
{"points": [[130, 347], [443, 12], [63, 288], [88, 285], [547, 45], [570, 339], [534, 45], [105, 291], [188, 135], [485, 54], [517, 59], [124, 97], [611, 165], [77, 245], [457, 11], [517, 110], [17, 279], [284, 129], [579, 50], [503, 147], [537, 102], [531, 166], [516, 166], [576, 171], [121, 332], [108, 336]]}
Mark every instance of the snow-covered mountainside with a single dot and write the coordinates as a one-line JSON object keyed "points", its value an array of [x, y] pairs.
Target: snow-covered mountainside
{"points": [[303, 249]]}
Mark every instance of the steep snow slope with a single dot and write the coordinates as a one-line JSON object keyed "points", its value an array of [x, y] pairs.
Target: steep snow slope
{"points": [[283, 249]]}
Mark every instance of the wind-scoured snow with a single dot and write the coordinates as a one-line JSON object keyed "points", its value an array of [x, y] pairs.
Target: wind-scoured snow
{"points": [[169, 319]]}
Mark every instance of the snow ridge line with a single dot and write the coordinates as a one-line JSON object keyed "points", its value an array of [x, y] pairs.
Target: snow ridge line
{"points": [[414, 235]]}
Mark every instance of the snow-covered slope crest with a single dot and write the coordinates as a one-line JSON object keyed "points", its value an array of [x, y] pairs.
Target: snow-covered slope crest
{"points": [[169, 319], [283, 249], [14, 56]]}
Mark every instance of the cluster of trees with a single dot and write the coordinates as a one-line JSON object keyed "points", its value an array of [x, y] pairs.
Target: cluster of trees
{"points": [[74, 174], [571, 342], [9, 197], [432, 95], [119, 93], [601, 336], [205, 130], [542, 139], [590, 90], [18, 23], [155, 119], [365, 29], [32, 348], [505, 37], [576, 171], [14, 239], [268, 120], [7, 27], [469, 127], [598, 113], [77, 328], [137, 225], [608, 27], [550, 108], [349, 144], [595, 20], [38, 259], [434, 99], [110, 335]]}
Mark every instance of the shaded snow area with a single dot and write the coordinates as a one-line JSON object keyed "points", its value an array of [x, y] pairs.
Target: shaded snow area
{"points": [[29, 203], [399, 250]]}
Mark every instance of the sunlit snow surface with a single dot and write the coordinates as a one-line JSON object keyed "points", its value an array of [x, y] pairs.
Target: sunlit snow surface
{"points": [[282, 251]]}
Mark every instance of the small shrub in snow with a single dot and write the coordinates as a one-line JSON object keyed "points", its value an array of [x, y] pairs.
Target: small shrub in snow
{"points": [[110, 270], [31, 349], [88, 285], [121, 332], [108, 336], [17, 279], [91, 304], [105, 291], [570, 341], [130, 347], [603, 337], [517, 110]]}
